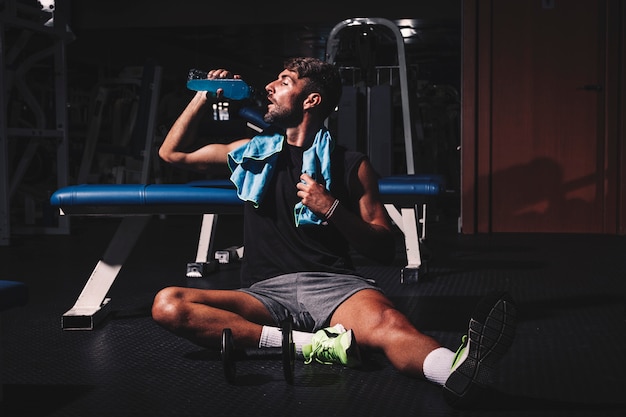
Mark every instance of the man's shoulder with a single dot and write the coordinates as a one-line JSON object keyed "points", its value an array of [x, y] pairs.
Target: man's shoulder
{"points": [[342, 150], [348, 157]]}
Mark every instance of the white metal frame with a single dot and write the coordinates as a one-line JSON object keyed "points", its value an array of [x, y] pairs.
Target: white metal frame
{"points": [[92, 305], [331, 51]]}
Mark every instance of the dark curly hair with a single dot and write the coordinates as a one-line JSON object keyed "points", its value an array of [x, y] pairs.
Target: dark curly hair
{"points": [[323, 77]]}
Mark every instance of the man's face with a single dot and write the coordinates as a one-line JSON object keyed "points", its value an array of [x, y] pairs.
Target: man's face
{"points": [[286, 99]]}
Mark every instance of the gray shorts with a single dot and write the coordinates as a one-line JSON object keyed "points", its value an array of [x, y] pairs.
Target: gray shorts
{"points": [[310, 297]]}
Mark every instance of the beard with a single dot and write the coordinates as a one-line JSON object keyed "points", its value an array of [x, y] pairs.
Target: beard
{"points": [[284, 117]]}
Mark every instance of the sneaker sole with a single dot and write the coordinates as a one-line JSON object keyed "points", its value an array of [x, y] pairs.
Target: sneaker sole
{"points": [[491, 333]]}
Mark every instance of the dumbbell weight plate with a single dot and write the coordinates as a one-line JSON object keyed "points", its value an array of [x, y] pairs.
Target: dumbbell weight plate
{"points": [[228, 360], [288, 351]]}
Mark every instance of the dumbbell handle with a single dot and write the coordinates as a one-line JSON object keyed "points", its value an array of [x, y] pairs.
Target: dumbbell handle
{"points": [[260, 353]]}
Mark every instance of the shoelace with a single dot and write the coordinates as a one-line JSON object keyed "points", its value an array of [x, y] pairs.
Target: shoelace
{"points": [[324, 353]]}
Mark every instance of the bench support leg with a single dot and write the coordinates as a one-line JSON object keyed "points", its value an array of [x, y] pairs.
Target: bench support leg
{"points": [[203, 264], [407, 221], [92, 304]]}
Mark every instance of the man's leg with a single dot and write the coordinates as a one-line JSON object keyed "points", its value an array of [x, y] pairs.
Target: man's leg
{"points": [[377, 324], [201, 315]]}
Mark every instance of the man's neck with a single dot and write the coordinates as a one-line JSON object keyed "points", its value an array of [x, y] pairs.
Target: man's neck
{"points": [[302, 135]]}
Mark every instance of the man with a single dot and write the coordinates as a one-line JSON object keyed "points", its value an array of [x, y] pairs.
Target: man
{"points": [[307, 202]]}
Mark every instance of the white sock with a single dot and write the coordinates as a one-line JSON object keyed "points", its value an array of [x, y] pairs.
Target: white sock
{"points": [[273, 337], [438, 364]]}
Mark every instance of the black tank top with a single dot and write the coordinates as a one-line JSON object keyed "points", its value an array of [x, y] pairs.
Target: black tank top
{"points": [[273, 245]]}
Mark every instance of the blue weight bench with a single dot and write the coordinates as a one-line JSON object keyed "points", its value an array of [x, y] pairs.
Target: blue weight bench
{"points": [[137, 203], [12, 294]]}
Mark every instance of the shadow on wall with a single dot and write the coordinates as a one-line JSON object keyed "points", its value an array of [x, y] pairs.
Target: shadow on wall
{"points": [[536, 197]]}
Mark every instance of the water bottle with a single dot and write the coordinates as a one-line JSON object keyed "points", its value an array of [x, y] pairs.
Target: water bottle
{"points": [[233, 89]]}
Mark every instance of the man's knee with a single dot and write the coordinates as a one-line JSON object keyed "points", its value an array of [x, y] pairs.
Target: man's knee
{"points": [[384, 327], [166, 306], [392, 319]]}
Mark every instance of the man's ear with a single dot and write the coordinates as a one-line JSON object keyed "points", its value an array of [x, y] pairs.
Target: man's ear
{"points": [[312, 100]]}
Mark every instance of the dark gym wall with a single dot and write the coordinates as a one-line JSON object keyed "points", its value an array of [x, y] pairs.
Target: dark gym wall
{"points": [[92, 14]]}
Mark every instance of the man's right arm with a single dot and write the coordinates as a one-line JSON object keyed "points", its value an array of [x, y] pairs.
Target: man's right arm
{"points": [[177, 148]]}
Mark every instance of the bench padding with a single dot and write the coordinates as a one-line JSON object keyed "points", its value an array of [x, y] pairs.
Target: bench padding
{"points": [[196, 195], [156, 198], [412, 185]]}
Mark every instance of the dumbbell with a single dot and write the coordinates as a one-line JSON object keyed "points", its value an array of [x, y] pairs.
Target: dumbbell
{"points": [[287, 353]]}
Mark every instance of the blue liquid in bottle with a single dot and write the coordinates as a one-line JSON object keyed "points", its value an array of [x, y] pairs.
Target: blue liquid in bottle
{"points": [[234, 89]]}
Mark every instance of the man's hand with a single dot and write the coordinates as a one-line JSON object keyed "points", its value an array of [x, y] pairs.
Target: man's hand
{"points": [[221, 74], [314, 195]]}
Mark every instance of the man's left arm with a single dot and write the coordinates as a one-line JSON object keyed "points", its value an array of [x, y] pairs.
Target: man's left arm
{"points": [[370, 232]]}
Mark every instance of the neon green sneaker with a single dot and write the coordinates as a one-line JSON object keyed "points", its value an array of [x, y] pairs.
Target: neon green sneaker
{"points": [[319, 337], [333, 345], [490, 334]]}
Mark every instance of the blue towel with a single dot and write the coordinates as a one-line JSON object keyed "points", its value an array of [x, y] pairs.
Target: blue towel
{"points": [[252, 167], [316, 163]]}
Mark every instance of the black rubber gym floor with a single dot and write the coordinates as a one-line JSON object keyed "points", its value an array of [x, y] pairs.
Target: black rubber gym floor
{"points": [[568, 358]]}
